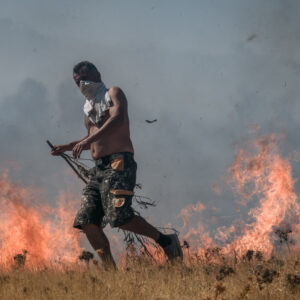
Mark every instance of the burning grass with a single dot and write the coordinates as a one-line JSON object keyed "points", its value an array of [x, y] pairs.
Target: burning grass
{"points": [[40, 252], [275, 278], [32, 230]]}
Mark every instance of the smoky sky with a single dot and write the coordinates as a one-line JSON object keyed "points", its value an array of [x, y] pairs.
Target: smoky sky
{"points": [[205, 70]]}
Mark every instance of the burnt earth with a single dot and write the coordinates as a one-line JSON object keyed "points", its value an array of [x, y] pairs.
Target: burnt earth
{"points": [[293, 280], [264, 275], [86, 256], [223, 272]]}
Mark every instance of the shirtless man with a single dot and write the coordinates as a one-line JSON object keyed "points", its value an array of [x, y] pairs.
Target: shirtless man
{"points": [[107, 197]]}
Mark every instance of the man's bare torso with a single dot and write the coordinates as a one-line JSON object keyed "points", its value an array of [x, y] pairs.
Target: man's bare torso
{"points": [[115, 141]]}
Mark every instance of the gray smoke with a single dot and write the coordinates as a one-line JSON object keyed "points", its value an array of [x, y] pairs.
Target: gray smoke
{"points": [[205, 70]]}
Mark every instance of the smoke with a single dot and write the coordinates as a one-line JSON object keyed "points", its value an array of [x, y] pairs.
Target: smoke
{"points": [[190, 66]]}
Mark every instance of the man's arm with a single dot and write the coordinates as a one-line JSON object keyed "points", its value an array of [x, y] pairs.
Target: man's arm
{"points": [[59, 149], [116, 118]]}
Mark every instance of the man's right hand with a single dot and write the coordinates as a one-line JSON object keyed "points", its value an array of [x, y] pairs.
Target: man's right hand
{"points": [[60, 149]]}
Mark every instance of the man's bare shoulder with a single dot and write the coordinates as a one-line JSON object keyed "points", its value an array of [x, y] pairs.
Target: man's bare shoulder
{"points": [[116, 93]]}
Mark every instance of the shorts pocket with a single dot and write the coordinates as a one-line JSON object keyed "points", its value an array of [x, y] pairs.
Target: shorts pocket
{"points": [[119, 197], [117, 163]]}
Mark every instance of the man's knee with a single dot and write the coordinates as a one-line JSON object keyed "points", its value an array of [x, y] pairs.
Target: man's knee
{"points": [[88, 227], [92, 229], [96, 236]]}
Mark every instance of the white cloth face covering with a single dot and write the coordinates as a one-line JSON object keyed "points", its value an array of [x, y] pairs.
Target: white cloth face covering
{"points": [[97, 100]]}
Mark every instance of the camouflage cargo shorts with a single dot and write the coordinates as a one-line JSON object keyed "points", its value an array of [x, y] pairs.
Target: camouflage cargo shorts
{"points": [[107, 197]]}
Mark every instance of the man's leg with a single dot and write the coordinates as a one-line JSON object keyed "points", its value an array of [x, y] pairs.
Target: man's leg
{"points": [[169, 242], [140, 226], [117, 207], [99, 241]]}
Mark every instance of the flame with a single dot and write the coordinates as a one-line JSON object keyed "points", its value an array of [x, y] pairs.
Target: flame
{"points": [[267, 176], [259, 176], [188, 211], [44, 232]]}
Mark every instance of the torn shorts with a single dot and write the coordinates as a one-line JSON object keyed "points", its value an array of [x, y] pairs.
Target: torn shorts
{"points": [[107, 197]]}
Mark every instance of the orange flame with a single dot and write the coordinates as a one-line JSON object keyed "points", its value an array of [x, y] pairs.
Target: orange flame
{"points": [[268, 177], [188, 211], [259, 174], [44, 232]]}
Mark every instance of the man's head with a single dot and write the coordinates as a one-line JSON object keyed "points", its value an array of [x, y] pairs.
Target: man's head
{"points": [[87, 71]]}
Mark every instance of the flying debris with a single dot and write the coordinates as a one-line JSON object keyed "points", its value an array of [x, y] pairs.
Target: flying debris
{"points": [[251, 37], [152, 121]]}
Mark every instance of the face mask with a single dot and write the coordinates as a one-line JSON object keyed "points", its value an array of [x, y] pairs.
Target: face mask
{"points": [[89, 88], [97, 99]]}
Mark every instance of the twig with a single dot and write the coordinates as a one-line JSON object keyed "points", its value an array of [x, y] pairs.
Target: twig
{"points": [[68, 162]]}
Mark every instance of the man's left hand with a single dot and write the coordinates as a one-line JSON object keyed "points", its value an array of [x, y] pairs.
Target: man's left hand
{"points": [[78, 148]]}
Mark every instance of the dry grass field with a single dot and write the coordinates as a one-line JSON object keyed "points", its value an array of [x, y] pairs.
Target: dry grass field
{"points": [[248, 279]]}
